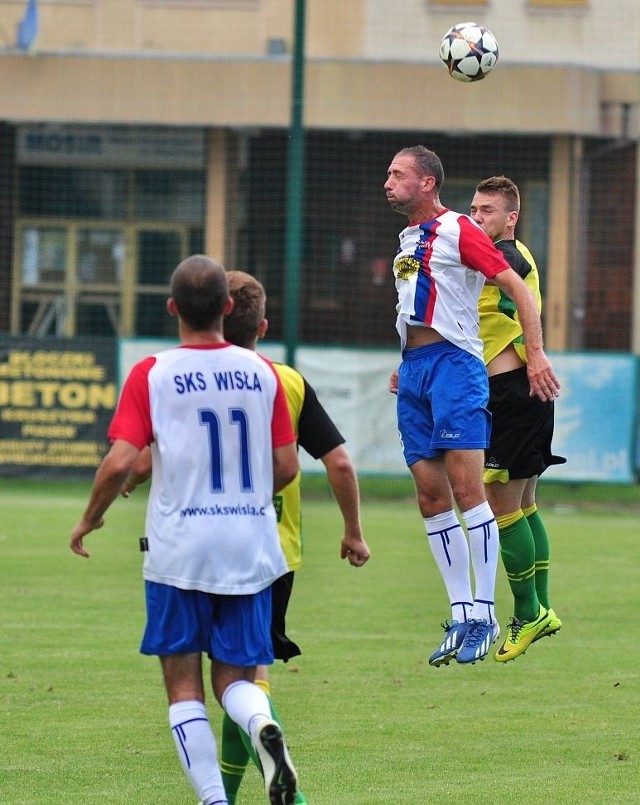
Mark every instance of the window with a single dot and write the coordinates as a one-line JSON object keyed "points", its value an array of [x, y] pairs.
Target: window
{"points": [[44, 255], [100, 256], [96, 247], [72, 192], [559, 3], [458, 2], [169, 195], [203, 3]]}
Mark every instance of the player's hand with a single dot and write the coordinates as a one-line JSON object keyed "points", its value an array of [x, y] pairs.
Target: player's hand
{"points": [[356, 550], [393, 382], [79, 532], [542, 380]]}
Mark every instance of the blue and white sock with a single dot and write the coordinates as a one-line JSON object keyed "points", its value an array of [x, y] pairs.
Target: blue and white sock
{"points": [[484, 547], [450, 550], [197, 749]]}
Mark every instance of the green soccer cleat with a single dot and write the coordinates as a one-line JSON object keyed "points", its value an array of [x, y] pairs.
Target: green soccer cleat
{"points": [[553, 626], [521, 636]]}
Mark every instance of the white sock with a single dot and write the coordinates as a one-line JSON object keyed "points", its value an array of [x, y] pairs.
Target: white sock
{"points": [[450, 550], [197, 750], [246, 704], [484, 546]]}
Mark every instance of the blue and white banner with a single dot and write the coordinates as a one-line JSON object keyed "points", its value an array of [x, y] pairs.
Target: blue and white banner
{"points": [[595, 413], [28, 27], [595, 417]]}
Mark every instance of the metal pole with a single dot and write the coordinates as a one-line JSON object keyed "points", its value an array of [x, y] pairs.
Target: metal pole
{"points": [[295, 169]]}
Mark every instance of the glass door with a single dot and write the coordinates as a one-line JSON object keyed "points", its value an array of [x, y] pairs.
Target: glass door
{"points": [[70, 280], [100, 260], [158, 252]]}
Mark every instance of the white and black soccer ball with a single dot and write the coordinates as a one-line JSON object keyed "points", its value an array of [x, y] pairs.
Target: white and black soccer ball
{"points": [[469, 51]]}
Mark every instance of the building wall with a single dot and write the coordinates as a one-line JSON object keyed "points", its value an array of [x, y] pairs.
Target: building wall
{"points": [[338, 95], [565, 75], [597, 34], [564, 67]]}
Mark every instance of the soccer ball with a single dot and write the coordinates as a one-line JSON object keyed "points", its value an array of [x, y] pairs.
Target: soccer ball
{"points": [[469, 51]]}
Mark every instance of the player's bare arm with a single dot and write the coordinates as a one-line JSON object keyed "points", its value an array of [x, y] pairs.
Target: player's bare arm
{"points": [[140, 473], [543, 382], [110, 477], [344, 485], [285, 466]]}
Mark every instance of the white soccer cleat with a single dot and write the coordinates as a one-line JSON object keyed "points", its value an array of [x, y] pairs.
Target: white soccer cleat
{"points": [[280, 778]]}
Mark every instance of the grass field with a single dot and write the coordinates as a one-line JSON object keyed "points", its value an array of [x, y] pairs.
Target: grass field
{"points": [[368, 721]]}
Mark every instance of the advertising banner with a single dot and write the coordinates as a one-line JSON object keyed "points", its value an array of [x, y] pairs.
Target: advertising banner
{"points": [[595, 423], [353, 387], [595, 413], [595, 417], [57, 398]]}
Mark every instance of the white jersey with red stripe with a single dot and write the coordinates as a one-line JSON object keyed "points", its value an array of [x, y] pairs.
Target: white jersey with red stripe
{"points": [[440, 269], [211, 415]]}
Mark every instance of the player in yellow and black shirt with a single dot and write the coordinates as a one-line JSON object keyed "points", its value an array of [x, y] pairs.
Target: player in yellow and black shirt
{"points": [[521, 431], [318, 435]]}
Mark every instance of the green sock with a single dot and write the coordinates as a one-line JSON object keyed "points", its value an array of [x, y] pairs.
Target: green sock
{"points": [[234, 757], [541, 542], [518, 556]]}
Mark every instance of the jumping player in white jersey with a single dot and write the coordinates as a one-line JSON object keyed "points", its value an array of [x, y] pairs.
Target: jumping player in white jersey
{"points": [[440, 268], [222, 442]]}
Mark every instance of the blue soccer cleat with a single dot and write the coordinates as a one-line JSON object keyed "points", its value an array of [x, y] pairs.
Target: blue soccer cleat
{"points": [[454, 635], [478, 641]]}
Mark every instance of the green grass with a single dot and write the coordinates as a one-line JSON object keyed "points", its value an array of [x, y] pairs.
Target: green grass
{"points": [[368, 721], [586, 496]]}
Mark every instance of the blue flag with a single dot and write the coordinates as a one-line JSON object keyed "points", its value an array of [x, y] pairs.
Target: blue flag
{"points": [[28, 26]]}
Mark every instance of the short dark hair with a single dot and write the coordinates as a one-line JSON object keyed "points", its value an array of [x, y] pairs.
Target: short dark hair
{"points": [[505, 187], [249, 307], [199, 289], [427, 162]]}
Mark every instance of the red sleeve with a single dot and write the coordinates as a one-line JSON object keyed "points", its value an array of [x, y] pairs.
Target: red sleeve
{"points": [[132, 419], [282, 432], [477, 250]]}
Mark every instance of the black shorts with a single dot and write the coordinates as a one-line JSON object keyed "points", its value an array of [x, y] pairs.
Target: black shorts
{"points": [[283, 648], [521, 428]]}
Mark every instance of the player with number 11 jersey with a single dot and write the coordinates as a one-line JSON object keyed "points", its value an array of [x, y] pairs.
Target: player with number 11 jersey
{"points": [[210, 503]]}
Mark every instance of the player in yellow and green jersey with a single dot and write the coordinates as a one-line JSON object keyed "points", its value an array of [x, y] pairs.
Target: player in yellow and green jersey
{"points": [[317, 434], [522, 428]]}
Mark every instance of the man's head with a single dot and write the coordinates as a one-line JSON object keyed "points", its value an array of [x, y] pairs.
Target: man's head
{"points": [[414, 177], [496, 207], [199, 293], [246, 322]]}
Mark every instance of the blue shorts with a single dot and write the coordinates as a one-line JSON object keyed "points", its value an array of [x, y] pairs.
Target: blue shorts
{"points": [[234, 629], [443, 394]]}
